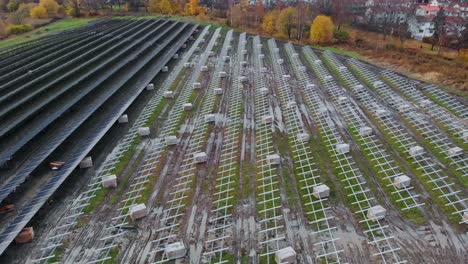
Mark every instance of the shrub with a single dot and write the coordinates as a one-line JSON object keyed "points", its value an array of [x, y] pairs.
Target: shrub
{"points": [[321, 31], [25, 9], [2, 28], [38, 12], [18, 29], [341, 36], [50, 5], [12, 5]]}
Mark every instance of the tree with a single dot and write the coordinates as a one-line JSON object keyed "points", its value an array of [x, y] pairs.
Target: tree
{"points": [[321, 30], [49, 5], [39, 12], [192, 8], [160, 6], [259, 12], [439, 25], [25, 9], [72, 8], [325, 7], [13, 5], [286, 21], [268, 24]]}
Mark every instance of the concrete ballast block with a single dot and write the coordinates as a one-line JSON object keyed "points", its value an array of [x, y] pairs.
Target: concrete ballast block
{"points": [[264, 91], [165, 69], [365, 131], [150, 87], [200, 157], [321, 191], [342, 148], [210, 118], [204, 68], [280, 61], [222, 74], [416, 151], [196, 85], [109, 181], [144, 131], [123, 119], [171, 140], [175, 250], [86, 163], [188, 107], [218, 91], [376, 213], [274, 159], [291, 104], [267, 119], [286, 256], [303, 137], [138, 211], [402, 181], [455, 152], [168, 94]]}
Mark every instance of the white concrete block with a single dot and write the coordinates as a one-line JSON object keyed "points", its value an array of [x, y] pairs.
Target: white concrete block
{"points": [[175, 250], [327, 77], [244, 52], [425, 103], [188, 107], [123, 119], [150, 87], [109, 181], [402, 181], [321, 191], [286, 77], [263, 70], [310, 86], [365, 131], [295, 55], [171, 140], [211, 54], [144, 131], [200, 157], [187, 65], [243, 79], [165, 69], [267, 119], [341, 68], [454, 152], [317, 62], [222, 74], [227, 58], [210, 118], [302, 69], [244, 64], [274, 159], [168, 94], [404, 108], [218, 91], [342, 99], [382, 113], [292, 104], [138, 211], [264, 91], [286, 256], [261, 56], [376, 213], [342, 148], [276, 50], [196, 85], [86, 163], [204, 68], [280, 61], [378, 84], [465, 217], [465, 136], [176, 56], [416, 151], [303, 137]]}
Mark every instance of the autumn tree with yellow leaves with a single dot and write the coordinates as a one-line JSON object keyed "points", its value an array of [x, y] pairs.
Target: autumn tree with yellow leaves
{"points": [[321, 31]]}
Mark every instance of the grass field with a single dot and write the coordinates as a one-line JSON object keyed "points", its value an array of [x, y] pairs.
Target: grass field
{"points": [[61, 25]]}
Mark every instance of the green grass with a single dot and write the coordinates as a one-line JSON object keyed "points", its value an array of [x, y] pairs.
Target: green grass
{"points": [[56, 27], [113, 254], [125, 179], [339, 51], [429, 186]]}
